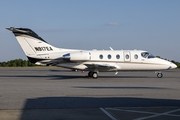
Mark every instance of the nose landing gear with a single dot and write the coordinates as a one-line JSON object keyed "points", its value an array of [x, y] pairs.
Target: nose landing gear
{"points": [[159, 74]]}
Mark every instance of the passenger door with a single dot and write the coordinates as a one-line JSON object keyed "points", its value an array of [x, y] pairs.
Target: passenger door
{"points": [[127, 56]]}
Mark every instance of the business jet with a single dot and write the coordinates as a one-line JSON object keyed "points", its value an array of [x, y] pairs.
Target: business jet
{"points": [[38, 51]]}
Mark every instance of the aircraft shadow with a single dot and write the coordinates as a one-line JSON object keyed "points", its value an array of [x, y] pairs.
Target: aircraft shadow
{"points": [[59, 77], [120, 87], [87, 102], [62, 77], [59, 70]]}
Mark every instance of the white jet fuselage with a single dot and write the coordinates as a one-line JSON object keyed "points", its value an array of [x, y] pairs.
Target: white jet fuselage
{"points": [[123, 60]]}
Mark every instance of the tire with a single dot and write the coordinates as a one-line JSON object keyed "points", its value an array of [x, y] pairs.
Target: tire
{"points": [[95, 75], [90, 74], [159, 75]]}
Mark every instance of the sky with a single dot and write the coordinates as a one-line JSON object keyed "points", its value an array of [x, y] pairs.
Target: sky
{"points": [[151, 25]]}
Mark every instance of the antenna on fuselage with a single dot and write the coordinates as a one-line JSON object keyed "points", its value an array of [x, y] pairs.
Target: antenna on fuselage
{"points": [[111, 48]]}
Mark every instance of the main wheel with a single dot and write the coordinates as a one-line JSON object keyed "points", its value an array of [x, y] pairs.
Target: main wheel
{"points": [[95, 75], [90, 74], [159, 75]]}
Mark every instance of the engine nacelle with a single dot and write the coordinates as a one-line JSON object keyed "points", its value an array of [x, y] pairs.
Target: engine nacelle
{"points": [[78, 56]]}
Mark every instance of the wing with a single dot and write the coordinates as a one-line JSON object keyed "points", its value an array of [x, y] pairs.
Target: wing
{"points": [[101, 67]]}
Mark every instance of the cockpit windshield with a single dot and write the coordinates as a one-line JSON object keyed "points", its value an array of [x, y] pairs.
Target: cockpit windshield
{"points": [[147, 55]]}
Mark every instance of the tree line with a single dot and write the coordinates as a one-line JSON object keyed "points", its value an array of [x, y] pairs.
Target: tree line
{"points": [[17, 63], [27, 63]]}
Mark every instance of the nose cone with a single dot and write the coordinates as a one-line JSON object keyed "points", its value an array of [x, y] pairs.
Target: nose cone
{"points": [[166, 64], [173, 66]]}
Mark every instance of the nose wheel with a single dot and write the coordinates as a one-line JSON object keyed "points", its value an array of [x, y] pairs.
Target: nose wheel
{"points": [[159, 75], [93, 75]]}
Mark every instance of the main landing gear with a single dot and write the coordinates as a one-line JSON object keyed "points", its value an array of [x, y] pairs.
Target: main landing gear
{"points": [[159, 74], [93, 75]]}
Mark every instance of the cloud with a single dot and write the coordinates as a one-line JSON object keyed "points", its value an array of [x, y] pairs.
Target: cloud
{"points": [[113, 24]]}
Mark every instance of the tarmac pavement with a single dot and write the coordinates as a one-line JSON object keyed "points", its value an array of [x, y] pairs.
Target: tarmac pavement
{"points": [[50, 93]]}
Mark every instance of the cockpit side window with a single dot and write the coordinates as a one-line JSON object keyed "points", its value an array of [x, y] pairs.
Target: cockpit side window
{"points": [[147, 55], [151, 56], [144, 54]]}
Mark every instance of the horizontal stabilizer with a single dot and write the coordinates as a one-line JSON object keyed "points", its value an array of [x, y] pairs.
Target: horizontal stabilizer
{"points": [[17, 30], [25, 31]]}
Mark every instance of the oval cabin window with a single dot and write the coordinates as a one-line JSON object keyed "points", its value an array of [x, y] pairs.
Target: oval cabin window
{"points": [[127, 56], [117, 56], [109, 56], [136, 56], [101, 56]]}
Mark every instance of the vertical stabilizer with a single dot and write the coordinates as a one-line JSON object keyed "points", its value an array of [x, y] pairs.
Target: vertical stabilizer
{"points": [[32, 45]]}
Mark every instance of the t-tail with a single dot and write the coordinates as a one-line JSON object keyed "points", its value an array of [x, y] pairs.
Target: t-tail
{"points": [[33, 46]]}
